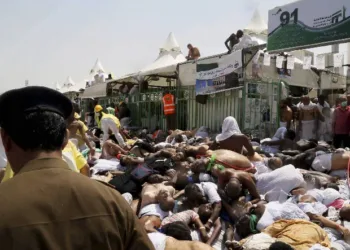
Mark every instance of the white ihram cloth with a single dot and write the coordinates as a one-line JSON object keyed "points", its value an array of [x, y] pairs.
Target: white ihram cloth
{"points": [[277, 184], [283, 124], [275, 211], [308, 130], [103, 165], [153, 209], [259, 241], [330, 195], [316, 193], [322, 162], [279, 135], [308, 127], [158, 240], [316, 208], [229, 127]]}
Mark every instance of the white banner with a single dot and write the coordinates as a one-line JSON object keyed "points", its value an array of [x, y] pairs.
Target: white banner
{"points": [[321, 61], [219, 76], [307, 24], [290, 62], [267, 59], [338, 60], [307, 62], [226, 65], [279, 62]]}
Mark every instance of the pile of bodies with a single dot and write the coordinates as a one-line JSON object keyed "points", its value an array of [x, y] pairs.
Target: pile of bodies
{"points": [[232, 193]]}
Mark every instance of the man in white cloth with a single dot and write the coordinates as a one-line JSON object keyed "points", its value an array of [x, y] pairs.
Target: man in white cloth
{"points": [[279, 135], [277, 184], [336, 163], [321, 104], [308, 119]]}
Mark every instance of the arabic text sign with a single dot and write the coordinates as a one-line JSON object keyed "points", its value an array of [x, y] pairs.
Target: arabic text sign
{"points": [[308, 23], [219, 76]]}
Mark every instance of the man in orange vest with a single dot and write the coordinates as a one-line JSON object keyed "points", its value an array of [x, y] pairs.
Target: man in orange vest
{"points": [[169, 110]]}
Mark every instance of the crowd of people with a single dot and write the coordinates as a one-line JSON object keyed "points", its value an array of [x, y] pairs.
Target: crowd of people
{"points": [[171, 189], [316, 119]]}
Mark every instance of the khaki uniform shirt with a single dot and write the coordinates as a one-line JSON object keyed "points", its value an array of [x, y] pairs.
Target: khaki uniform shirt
{"points": [[47, 206]]}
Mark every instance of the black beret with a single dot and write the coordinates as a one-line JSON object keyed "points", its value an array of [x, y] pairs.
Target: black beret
{"points": [[17, 103]]}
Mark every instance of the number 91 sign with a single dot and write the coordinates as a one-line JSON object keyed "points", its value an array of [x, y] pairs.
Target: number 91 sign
{"points": [[300, 25]]}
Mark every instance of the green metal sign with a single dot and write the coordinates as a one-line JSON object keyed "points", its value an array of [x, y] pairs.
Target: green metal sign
{"points": [[307, 24]]}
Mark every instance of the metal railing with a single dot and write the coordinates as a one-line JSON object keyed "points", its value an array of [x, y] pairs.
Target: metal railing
{"points": [[147, 109]]}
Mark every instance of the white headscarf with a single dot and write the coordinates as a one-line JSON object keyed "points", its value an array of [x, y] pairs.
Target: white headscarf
{"points": [[229, 127]]}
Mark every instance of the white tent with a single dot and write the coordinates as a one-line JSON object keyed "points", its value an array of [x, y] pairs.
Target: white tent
{"points": [[257, 27], [70, 86], [169, 56], [97, 68], [100, 89]]}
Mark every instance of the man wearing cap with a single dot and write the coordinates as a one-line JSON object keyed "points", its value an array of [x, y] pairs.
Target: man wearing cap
{"points": [[70, 154], [49, 206], [108, 122]]}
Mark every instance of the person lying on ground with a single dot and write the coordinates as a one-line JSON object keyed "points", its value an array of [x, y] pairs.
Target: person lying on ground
{"points": [[204, 193], [282, 140], [328, 162], [278, 184], [317, 180], [205, 213], [302, 160], [225, 158], [163, 242], [261, 216], [188, 217], [110, 150], [235, 183], [156, 202]]}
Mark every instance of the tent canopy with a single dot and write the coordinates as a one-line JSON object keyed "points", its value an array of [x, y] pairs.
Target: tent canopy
{"points": [[100, 89], [70, 86], [97, 68], [95, 91], [257, 28], [257, 25], [169, 57]]}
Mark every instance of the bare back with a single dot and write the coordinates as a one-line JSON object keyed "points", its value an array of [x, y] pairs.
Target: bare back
{"points": [[237, 143], [172, 244], [232, 158], [286, 114]]}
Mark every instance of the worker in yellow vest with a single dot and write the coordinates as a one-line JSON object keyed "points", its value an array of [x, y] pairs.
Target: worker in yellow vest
{"points": [[108, 122], [169, 110]]}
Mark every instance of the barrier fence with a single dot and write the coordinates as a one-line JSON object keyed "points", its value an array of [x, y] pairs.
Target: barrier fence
{"points": [[147, 108]]}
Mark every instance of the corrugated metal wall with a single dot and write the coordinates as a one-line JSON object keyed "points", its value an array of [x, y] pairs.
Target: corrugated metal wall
{"points": [[147, 111]]}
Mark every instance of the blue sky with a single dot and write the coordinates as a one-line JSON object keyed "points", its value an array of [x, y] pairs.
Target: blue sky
{"points": [[47, 40]]}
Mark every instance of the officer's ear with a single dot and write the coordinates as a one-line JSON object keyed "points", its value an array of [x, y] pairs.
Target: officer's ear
{"points": [[6, 140], [66, 138]]}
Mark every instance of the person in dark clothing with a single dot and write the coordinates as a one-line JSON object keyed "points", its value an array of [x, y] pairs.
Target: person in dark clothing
{"points": [[124, 114], [233, 40], [124, 111], [279, 245]]}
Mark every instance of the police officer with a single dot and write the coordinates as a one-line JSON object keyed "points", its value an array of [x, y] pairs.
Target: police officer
{"points": [[46, 205]]}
